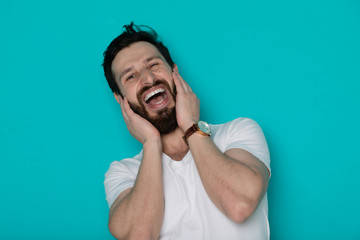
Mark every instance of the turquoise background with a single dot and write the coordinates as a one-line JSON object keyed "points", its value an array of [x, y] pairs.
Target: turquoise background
{"points": [[293, 66]]}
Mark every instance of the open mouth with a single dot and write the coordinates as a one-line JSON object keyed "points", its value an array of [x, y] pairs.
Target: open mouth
{"points": [[156, 98]]}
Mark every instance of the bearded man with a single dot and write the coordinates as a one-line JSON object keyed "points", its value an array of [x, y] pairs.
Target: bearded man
{"points": [[191, 180]]}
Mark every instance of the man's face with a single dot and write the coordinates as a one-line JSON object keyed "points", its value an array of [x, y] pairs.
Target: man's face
{"points": [[145, 78]]}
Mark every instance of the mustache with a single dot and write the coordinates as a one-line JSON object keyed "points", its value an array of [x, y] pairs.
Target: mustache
{"points": [[156, 82], [144, 89]]}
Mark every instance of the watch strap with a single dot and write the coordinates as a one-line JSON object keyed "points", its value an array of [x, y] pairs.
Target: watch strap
{"points": [[191, 130]]}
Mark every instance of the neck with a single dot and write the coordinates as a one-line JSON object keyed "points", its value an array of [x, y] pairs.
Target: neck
{"points": [[173, 144]]}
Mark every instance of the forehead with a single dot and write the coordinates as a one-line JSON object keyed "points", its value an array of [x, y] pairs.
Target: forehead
{"points": [[134, 54]]}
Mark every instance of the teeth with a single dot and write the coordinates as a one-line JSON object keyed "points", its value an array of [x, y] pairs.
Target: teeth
{"points": [[153, 93]]}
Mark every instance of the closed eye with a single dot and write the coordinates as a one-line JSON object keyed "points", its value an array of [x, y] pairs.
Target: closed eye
{"points": [[130, 77], [153, 65]]}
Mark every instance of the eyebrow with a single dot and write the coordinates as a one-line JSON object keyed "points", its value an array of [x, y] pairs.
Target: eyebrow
{"points": [[152, 58], [149, 59]]}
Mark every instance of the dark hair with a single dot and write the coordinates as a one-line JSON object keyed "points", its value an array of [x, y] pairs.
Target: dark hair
{"points": [[133, 33]]}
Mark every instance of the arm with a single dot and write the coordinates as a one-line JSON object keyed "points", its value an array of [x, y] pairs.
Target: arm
{"points": [[137, 212], [235, 180]]}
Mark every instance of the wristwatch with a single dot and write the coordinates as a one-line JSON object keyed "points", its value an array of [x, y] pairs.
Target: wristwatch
{"points": [[200, 127]]}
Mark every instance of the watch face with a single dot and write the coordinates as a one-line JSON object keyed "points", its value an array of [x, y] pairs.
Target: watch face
{"points": [[204, 127]]}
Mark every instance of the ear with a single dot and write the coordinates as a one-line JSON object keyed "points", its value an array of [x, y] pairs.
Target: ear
{"points": [[117, 97], [175, 68]]}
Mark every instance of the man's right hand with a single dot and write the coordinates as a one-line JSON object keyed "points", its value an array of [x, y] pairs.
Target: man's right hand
{"points": [[140, 128], [138, 212]]}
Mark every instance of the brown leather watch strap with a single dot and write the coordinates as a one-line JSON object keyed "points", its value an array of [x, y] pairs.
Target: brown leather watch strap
{"points": [[194, 128]]}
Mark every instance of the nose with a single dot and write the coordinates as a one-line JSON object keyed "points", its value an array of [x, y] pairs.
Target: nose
{"points": [[147, 77]]}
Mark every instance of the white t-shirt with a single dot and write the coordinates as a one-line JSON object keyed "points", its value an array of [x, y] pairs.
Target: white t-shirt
{"points": [[189, 212]]}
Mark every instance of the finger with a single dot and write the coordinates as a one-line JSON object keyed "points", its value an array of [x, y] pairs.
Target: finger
{"points": [[129, 112], [178, 84], [123, 110], [184, 84], [127, 107]]}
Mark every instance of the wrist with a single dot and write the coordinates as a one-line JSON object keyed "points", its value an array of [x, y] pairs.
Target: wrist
{"points": [[152, 151], [200, 127], [153, 143], [187, 125]]}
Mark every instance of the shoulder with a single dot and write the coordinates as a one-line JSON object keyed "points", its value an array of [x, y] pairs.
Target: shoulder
{"points": [[241, 123], [129, 165], [242, 133], [121, 175]]}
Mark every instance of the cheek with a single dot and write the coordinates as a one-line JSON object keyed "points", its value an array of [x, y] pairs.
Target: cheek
{"points": [[164, 72], [130, 93], [167, 76]]}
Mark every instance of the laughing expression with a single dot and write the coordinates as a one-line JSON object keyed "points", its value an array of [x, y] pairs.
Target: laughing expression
{"points": [[145, 78]]}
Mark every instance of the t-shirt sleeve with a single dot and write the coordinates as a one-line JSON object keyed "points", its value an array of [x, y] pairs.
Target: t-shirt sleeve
{"points": [[120, 176], [246, 134]]}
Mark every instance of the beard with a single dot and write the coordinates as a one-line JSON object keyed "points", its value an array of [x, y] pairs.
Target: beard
{"points": [[165, 120]]}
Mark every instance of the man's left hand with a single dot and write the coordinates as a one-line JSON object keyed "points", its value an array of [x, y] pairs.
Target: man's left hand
{"points": [[187, 103]]}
